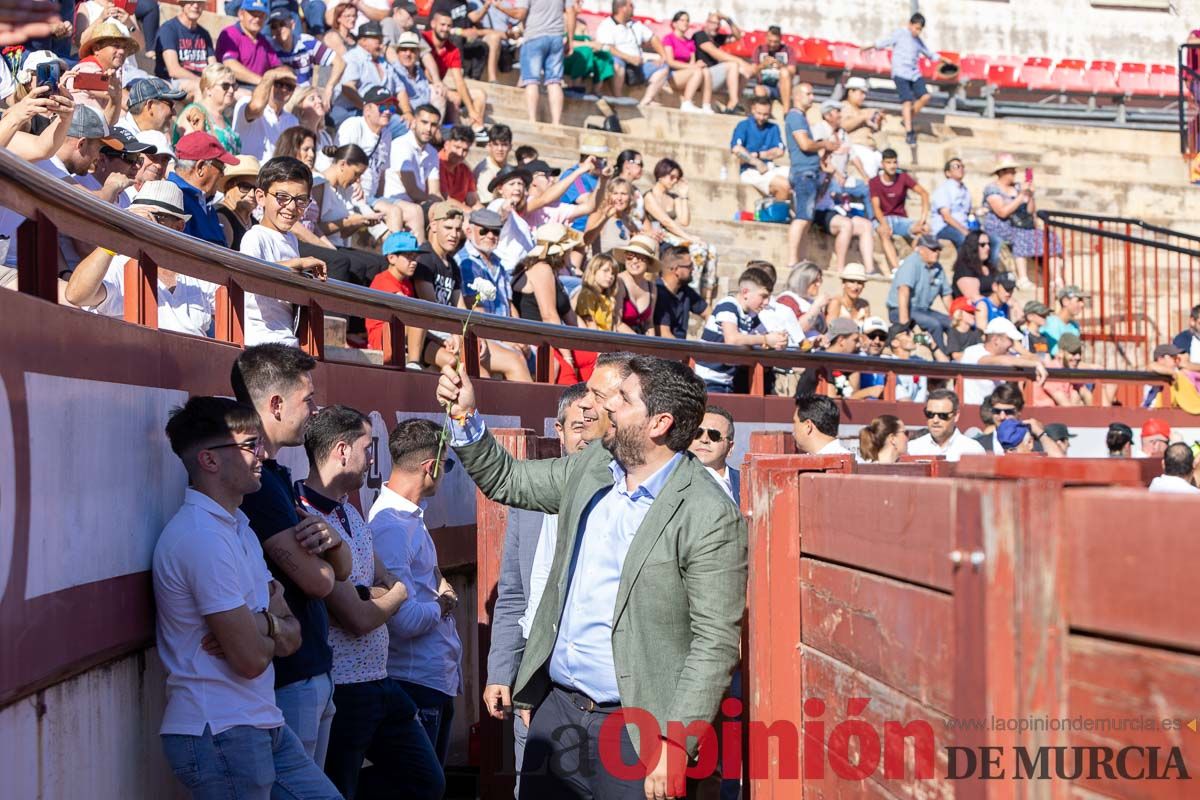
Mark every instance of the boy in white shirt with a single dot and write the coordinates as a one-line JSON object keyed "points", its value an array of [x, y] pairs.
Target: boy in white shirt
{"points": [[221, 620], [284, 191]]}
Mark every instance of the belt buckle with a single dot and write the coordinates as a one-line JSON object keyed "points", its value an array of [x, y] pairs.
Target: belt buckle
{"points": [[591, 705]]}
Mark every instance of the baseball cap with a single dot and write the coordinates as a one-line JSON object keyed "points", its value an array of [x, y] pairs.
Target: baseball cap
{"points": [[1001, 326], [145, 89], [1011, 432], [1167, 349], [1070, 343], [372, 29], [159, 140], [537, 165], [1059, 432], [1037, 307], [1156, 427], [873, 324], [281, 14], [258, 6], [1121, 427], [486, 218], [201, 146], [400, 242], [962, 304], [86, 123], [129, 143], [407, 5], [444, 210], [898, 328], [378, 94], [929, 241], [1007, 281], [841, 326], [1072, 291], [830, 105], [409, 40]]}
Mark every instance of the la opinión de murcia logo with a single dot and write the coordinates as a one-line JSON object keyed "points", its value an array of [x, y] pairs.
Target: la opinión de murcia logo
{"points": [[853, 749]]}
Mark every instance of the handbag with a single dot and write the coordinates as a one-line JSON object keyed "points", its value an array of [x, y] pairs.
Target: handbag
{"points": [[1021, 218]]}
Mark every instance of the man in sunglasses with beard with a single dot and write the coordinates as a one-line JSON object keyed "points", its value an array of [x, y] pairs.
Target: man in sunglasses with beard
{"points": [[712, 445], [944, 438]]}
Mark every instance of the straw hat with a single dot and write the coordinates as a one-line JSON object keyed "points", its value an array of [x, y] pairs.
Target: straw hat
{"points": [[555, 239], [1006, 162], [247, 167], [854, 272], [102, 31], [640, 245], [593, 144]]}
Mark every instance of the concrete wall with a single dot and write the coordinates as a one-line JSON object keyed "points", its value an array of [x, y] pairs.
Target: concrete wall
{"points": [[95, 735], [1062, 29]]}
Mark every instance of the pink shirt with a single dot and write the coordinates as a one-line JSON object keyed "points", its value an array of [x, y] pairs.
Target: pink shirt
{"points": [[256, 55], [681, 49]]}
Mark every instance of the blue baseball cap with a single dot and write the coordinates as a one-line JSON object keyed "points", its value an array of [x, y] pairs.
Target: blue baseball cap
{"points": [[400, 242], [144, 89], [256, 5], [1011, 432]]}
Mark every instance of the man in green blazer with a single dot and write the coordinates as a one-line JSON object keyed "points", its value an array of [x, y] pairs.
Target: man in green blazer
{"points": [[643, 608]]}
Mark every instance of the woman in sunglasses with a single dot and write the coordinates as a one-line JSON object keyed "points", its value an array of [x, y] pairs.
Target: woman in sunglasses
{"points": [[238, 204], [213, 112]]}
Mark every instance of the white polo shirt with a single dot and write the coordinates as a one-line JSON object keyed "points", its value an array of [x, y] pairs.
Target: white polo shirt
{"points": [[188, 308], [408, 155], [259, 136], [1172, 484], [976, 390], [208, 561], [958, 446]]}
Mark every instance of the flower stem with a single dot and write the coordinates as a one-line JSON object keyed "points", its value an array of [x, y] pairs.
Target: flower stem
{"points": [[437, 464]]}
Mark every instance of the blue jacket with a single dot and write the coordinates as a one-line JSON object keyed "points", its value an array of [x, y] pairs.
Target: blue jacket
{"points": [[204, 224]]}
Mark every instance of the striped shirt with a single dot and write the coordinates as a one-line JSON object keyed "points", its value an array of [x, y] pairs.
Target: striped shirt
{"points": [[728, 310]]}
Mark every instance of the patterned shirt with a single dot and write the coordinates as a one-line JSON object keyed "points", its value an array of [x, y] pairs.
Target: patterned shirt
{"points": [[356, 659]]}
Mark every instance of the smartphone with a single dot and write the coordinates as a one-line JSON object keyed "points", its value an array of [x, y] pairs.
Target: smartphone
{"points": [[48, 75], [601, 163], [1028, 176], [91, 82]]}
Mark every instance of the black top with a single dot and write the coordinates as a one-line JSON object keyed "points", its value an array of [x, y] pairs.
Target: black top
{"points": [[272, 509], [235, 224], [960, 271], [957, 341], [442, 274], [457, 9], [673, 309], [527, 307], [700, 37]]}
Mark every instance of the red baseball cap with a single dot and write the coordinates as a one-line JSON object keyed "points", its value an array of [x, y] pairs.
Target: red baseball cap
{"points": [[962, 304], [201, 146], [1156, 427]]}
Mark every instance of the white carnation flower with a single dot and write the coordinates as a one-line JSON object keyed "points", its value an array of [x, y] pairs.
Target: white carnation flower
{"points": [[485, 290]]}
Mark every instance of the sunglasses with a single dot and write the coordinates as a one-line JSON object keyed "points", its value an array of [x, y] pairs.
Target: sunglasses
{"points": [[489, 231], [713, 434], [878, 336], [245, 187], [284, 199], [163, 218], [227, 86], [1005, 411], [252, 446], [388, 108], [945, 416], [984, 244]]}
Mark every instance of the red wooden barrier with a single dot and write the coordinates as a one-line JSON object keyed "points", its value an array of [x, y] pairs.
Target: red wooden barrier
{"points": [[1067, 471]]}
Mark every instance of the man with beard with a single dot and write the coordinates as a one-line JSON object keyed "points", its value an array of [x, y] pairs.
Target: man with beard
{"points": [[646, 591]]}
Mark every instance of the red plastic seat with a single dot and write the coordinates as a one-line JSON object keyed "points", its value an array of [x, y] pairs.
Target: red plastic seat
{"points": [[1163, 84], [1101, 78], [1004, 76], [818, 53], [1036, 74], [795, 48], [1038, 61], [973, 68], [847, 53], [1072, 63], [929, 67]]}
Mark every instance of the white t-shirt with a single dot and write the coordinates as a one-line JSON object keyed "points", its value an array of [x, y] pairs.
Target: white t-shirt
{"points": [[1172, 484], [627, 38], [959, 445], [516, 238], [208, 561], [382, 5], [188, 308], [268, 319], [377, 146], [834, 448], [976, 390], [409, 156], [776, 317], [259, 137]]}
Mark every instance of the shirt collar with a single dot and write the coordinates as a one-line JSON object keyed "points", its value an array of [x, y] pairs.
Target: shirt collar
{"points": [[194, 497], [652, 486], [396, 502], [320, 502]]}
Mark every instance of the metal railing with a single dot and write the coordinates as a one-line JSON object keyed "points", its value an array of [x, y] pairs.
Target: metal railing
{"points": [[51, 207], [1143, 278]]}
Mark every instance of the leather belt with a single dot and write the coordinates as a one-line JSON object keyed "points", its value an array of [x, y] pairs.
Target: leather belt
{"points": [[585, 703]]}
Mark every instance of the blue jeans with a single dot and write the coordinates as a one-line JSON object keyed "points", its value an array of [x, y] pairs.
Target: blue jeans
{"points": [[147, 16], [435, 710], [245, 763], [542, 60], [804, 192], [902, 226], [307, 708], [377, 720], [935, 323], [952, 235]]}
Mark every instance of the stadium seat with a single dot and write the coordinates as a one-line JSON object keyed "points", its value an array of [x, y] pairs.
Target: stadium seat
{"points": [[795, 48], [818, 53], [1069, 75], [752, 40], [847, 53], [1101, 77], [1003, 76], [1134, 79], [1163, 83], [1036, 73], [973, 68]]}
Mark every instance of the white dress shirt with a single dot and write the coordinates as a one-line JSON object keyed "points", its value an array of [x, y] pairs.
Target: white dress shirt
{"points": [[956, 447], [423, 646], [539, 570], [834, 448], [1172, 484]]}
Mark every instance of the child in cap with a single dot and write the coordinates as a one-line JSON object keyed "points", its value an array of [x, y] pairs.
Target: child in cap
{"points": [[963, 330], [401, 250]]}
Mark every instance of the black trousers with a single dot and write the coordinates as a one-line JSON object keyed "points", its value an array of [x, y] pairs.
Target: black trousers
{"points": [[568, 748], [351, 266]]}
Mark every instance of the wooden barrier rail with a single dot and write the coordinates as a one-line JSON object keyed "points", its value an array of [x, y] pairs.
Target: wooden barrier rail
{"points": [[52, 207]]}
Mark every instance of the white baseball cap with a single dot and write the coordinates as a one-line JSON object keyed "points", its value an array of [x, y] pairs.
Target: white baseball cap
{"points": [[1001, 325]]}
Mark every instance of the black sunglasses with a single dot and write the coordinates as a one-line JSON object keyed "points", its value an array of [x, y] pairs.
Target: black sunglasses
{"points": [[878, 336], [714, 435], [942, 415], [251, 446], [1007, 411]]}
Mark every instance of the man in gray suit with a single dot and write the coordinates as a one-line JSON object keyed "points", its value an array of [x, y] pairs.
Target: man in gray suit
{"points": [[516, 564], [643, 606]]}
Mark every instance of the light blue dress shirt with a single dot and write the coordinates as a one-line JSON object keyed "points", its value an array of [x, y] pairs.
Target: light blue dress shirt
{"points": [[952, 195], [906, 49], [583, 658]]}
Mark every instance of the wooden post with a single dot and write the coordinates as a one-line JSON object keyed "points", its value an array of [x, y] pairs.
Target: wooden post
{"points": [[37, 258], [141, 291], [393, 342], [311, 330], [231, 311]]}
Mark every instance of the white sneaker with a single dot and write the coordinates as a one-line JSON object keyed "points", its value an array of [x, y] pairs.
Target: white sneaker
{"points": [[707, 109], [688, 107]]}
